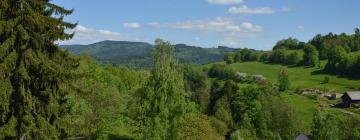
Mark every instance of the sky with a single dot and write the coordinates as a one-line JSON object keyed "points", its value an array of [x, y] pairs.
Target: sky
{"points": [[256, 24]]}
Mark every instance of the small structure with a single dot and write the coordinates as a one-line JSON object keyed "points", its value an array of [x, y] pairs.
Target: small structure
{"points": [[350, 97], [334, 96], [301, 137]]}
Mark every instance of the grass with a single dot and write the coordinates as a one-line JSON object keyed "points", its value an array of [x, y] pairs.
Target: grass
{"points": [[304, 108], [300, 77]]}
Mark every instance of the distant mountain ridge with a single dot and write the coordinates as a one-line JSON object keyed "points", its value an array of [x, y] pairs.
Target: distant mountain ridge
{"points": [[138, 54]]}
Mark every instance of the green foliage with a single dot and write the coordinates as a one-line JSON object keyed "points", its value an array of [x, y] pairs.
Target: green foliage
{"points": [[34, 71], [324, 43], [238, 57], [220, 126], [278, 56], [242, 134], [197, 84], [264, 57], [324, 126], [221, 108], [138, 54], [221, 71], [162, 101], [311, 56], [290, 43], [197, 126], [229, 58], [300, 77], [261, 114], [283, 80], [98, 107], [349, 127], [338, 49], [246, 55], [337, 58], [326, 79]]}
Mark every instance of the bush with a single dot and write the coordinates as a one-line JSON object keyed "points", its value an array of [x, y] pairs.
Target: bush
{"points": [[221, 71], [284, 82], [326, 80]]}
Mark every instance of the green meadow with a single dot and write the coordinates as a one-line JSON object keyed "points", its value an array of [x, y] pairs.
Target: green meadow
{"points": [[300, 77]]}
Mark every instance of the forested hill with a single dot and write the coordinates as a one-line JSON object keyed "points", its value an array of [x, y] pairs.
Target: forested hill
{"points": [[138, 54]]}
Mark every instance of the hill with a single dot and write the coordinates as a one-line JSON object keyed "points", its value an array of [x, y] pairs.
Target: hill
{"points": [[138, 54], [300, 77]]}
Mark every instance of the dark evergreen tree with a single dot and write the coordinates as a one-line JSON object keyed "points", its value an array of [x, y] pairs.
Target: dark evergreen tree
{"points": [[33, 70]]}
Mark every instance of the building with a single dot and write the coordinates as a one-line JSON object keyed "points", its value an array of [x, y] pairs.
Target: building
{"points": [[350, 97]]}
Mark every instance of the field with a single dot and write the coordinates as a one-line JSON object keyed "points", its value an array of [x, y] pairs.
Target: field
{"points": [[304, 108], [300, 77]]}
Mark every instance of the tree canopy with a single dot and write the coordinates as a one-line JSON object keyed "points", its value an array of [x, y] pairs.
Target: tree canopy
{"points": [[33, 69]]}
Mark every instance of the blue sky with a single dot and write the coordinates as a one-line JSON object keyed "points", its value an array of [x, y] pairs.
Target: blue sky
{"points": [[257, 24]]}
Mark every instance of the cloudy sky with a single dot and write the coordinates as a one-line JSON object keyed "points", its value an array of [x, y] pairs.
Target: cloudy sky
{"points": [[254, 24]]}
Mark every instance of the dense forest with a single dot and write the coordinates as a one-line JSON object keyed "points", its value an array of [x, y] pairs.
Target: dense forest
{"points": [[138, 54], [341, 53], [48, 93]]}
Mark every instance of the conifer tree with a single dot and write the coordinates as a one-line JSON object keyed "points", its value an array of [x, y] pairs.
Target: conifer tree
{"points": [[33, 69]]}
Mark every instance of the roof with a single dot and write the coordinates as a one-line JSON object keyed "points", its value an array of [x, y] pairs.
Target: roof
{"points": [[354, 95], [301, 137]]}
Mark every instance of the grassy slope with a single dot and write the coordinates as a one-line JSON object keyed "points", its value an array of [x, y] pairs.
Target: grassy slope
{"points": [[304, 108], [300, 77]]}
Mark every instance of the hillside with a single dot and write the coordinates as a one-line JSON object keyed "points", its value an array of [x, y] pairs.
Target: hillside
{"points": [[300, 77], [138, 54]]}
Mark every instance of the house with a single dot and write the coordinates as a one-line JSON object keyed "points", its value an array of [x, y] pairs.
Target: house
{"points": [[301, 137], [350, 97]]}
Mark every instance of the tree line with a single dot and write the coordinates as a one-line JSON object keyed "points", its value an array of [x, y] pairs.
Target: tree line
{"points": [[339, 51], [47, 93]]}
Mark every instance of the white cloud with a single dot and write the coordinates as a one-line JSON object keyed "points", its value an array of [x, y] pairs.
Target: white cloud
{"points": [[131, 25], [84, 35], [248, 11], [230, 31], [211, 25], [225, 2], [300, 27], [250, 27]]}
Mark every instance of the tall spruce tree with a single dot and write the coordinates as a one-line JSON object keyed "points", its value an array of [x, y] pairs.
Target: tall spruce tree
{"points": [[33, 69], [162, 100]]}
